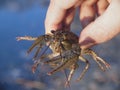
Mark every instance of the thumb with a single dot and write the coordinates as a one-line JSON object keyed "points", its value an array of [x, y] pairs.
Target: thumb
{"points": [[103, 28]]}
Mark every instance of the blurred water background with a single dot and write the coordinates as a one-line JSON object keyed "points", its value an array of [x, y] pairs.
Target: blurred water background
{"points": [[26, 17]]}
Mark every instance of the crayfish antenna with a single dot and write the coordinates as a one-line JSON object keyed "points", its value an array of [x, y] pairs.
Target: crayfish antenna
{"points": [[29, 38]]}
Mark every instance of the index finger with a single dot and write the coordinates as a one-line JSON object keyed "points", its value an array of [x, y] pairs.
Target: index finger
{"points": [[60, 13], [54, 17]]}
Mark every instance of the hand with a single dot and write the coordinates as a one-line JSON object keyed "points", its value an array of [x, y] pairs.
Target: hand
{"points": [[100, 19]]}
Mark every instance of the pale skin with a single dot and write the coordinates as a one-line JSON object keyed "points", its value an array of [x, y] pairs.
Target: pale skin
{"points": [[100, 19]]}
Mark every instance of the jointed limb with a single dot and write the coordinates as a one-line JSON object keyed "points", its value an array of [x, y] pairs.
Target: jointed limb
{"points": [[29, 38], [85, 69], [98, 59], [73, 68]]}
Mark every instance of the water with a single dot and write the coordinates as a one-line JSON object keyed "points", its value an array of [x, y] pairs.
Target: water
{"points": [[13, 23]]}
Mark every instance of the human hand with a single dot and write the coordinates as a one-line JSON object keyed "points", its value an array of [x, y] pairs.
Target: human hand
{"points": [[95, 30]]}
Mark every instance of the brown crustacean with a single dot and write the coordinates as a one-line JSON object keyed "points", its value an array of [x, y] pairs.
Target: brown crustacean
{"points": [[66, 53]]}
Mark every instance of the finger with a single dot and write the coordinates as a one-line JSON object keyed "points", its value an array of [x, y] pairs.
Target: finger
{"points": [[68, 19], [56, 13], [109, 1], [87, 12], [103, 28], [54, 16], [101, 6]]}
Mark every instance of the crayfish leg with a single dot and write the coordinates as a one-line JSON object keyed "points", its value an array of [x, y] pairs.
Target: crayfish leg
{"points": [[85, 69], [98, 60], [73, 68], [37, 41], [37, 52], [42, 40]]}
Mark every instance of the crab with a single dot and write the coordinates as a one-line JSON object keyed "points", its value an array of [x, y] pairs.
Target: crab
{"points": [[69, 60], [66, 53]]}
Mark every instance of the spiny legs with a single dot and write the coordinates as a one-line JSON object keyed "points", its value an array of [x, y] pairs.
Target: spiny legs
{"points": [[85, 69]]}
